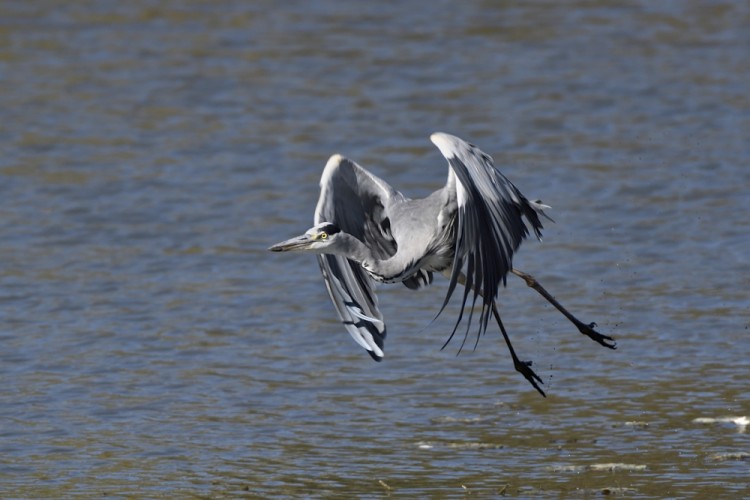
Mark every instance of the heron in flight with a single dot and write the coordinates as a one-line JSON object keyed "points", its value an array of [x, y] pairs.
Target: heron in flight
{"points": [[365, 231]]}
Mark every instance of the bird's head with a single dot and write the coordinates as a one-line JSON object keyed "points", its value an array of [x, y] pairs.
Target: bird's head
{"points": [[318, 239]]}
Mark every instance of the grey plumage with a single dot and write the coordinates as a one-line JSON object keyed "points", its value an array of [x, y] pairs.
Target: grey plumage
{"points": [[468, 230]]}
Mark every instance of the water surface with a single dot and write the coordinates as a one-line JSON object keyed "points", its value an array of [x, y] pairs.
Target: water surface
{"points": [[151, 346]]}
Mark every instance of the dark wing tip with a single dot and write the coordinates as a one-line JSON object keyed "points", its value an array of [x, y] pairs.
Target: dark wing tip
{"points": [[375, 356]]}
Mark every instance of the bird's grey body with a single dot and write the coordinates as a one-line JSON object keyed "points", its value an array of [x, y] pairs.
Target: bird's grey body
{"points": [[422, 228], [366, 231]]}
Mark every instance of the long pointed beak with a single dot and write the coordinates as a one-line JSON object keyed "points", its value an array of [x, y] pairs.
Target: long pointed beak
{"points": [[302, 242]]}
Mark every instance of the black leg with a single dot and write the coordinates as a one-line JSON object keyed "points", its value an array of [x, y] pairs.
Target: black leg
{"points": [[586, 329], [523, 367]]}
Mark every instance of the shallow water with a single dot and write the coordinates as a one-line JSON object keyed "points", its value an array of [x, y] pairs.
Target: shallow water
{"points": [[152, 151]]}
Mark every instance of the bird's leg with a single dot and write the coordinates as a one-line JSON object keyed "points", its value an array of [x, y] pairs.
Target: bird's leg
{"points": [[586, 329], [523, 367]]}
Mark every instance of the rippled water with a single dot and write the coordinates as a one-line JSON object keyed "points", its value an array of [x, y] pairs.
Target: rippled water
{"points": [[150, 346]]}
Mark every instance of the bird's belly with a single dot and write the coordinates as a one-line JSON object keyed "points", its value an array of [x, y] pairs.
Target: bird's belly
{"points": [[433, 263], [395, 278], [387, 279]]}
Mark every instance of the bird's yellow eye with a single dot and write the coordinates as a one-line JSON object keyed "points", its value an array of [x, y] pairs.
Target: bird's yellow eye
{"points": [[323, 235]]}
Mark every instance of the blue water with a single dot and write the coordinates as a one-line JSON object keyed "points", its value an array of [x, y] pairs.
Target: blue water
{"points": [[150, 345]]}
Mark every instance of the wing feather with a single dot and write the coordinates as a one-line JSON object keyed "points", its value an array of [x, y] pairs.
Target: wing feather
{"points": [[490, 226], [358, 203]]}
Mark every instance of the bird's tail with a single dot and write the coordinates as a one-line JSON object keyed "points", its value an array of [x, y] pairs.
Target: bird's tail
{"points": [[532, 210]]}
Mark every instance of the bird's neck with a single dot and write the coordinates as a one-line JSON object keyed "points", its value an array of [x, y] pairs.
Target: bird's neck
{"points": [[353, 249], [389, 270]]}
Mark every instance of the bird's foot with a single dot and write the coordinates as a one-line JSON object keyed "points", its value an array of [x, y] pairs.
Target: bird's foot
{"points": [[524, 368], [589, 331]]}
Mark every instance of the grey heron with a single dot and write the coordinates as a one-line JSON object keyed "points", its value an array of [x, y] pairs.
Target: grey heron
{"points": [[365, 231]]}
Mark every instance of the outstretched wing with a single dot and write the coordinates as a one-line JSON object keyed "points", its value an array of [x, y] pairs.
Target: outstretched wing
{"points": [[357, 202], [490, 226]]}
